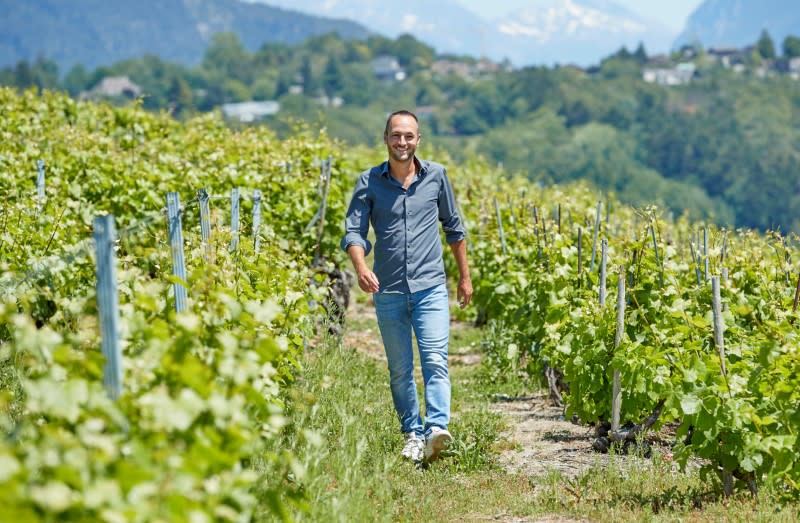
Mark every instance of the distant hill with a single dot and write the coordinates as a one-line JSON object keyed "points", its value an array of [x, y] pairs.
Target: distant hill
{"points": [[740, 22], [100, 32]]}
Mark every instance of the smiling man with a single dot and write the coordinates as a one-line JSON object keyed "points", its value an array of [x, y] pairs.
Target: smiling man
{"points": [[405, 199]]}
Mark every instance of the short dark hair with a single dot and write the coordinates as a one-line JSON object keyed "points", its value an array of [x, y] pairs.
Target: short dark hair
{"points": [[401, 112]]}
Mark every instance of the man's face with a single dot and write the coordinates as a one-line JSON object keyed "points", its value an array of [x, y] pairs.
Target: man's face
{"points": [[402, 137]]}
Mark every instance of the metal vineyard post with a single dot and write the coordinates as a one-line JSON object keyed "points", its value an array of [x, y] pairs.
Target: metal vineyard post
{"points": [[39, 187], [108, 303], [616, 393], [234, 220], [594, 239], [176, 249]]}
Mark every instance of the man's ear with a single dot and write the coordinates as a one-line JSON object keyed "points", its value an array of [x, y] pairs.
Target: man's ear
{"points": [[386, 138]]}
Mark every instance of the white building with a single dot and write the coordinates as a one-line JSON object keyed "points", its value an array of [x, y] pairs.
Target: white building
{"points": [[250, 111]]}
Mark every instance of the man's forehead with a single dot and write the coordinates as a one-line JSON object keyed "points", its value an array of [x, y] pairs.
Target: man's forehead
{"points": [[404, 123]]}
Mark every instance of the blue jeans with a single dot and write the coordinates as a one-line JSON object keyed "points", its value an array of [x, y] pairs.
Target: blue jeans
{"points": [[427, 312]]}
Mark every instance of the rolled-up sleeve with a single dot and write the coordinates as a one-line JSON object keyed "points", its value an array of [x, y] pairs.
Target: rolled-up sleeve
{"points": [[448, 212], [356, 223]]}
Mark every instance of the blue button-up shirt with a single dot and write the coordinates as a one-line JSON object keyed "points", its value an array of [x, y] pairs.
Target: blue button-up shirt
{"points": [[408, 250]]}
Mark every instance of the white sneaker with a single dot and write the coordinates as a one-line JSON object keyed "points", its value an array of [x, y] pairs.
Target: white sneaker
{"points": [[413, 448], [435, 443]]}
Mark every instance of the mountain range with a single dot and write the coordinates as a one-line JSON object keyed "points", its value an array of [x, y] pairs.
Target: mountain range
{"points": [[101, 32], [740, 22], [544, 32]]}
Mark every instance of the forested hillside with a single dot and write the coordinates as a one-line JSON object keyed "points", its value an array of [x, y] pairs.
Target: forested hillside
{"points": [[723, 145]]}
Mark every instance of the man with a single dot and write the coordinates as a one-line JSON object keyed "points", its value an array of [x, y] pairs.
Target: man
{"points": [[403, 198]]}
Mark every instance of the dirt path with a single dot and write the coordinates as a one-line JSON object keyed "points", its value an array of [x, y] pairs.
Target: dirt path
{"points": [[541, 440]]}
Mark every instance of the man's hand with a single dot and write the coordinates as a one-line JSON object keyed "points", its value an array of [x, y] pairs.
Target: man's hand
{"points": [[464, 292], [366, 278], [368, 281]]}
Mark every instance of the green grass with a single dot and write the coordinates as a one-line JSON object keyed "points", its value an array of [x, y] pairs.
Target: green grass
{"points": [[344, 435]]}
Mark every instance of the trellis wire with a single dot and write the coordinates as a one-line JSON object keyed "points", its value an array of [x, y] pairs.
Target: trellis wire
{"points": [[176, 250], [108, 303]]}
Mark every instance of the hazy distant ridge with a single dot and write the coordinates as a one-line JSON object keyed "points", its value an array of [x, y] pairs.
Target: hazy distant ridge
{"points": [[99, 32], [740, 22]]}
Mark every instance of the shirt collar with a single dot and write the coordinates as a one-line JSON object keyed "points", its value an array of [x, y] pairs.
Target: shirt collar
{"points": [[422, 166]]}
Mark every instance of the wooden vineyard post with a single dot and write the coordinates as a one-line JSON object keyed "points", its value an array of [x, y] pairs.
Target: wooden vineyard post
{"points": [[513, 221], [658, 259], [205, 222], [234, 220], [796, 294], [256, 220], [616, 393], [594, 239], [580, 250], [500, 227], [558, 218], [695, 262], [705, 253], [176, 249], [108, 303], [326, 183]]}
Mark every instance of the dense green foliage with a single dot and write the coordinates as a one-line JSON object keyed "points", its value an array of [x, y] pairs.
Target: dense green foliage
{"points": [[202, 391], [738, 410]]}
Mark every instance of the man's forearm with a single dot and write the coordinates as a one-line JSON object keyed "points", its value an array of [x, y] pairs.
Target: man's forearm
{"points": [[459, 249], [358, 257]]}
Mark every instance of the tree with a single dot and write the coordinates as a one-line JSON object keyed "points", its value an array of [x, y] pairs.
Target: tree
{"points": [[179, 95], [791, 47], [23, 75], [45, 73], [76, 80], [765, 46], [412, 54], [226, 55], [640, 54], [332, 76]]}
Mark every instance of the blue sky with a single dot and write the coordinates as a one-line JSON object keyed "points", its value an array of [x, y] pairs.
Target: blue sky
{"points": [[671, 13]]}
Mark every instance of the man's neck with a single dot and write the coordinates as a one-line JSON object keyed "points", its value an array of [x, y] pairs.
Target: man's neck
{"points": [[403, 171]]}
